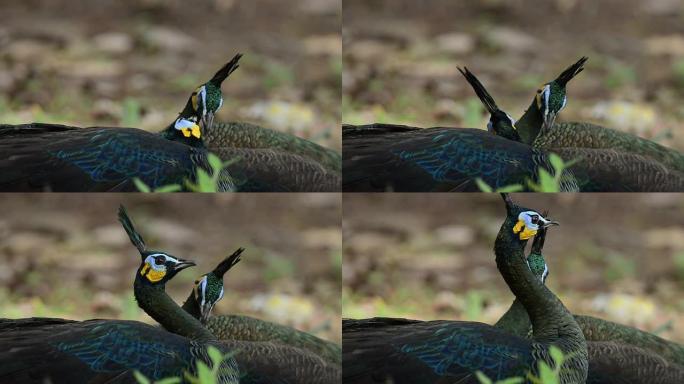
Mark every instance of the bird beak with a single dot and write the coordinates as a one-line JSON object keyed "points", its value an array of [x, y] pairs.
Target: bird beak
{"points": [[182, 264], [548, 223]]}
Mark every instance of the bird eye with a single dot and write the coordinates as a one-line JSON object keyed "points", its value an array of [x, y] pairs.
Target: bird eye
{"points": [[159, 260], [534, 219]]}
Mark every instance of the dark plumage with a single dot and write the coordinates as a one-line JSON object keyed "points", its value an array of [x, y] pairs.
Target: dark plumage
{"points": [[48, 157], [597, 168], [258, 362], [408, 351], [382, 157], [40, 350], [209, 290], [244, 135], [268, 170], [617, 353]]}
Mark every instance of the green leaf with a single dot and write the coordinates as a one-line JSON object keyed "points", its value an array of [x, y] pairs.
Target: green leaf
{"points": [[511, 380], [547, 182], [510, 188], [557, 356], [215, 163], [546, 374], [169, 380], [484, 187], [205, 183], [142, 379], [204, 374], [556, 163], [215, 355], [142, 187], [168, 188], [483, 378]]}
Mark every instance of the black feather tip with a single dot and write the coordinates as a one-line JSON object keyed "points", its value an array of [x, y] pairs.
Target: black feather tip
{"points": [[226, 70], [480, 90], [571, 71], [228, 263], [133, 235]]}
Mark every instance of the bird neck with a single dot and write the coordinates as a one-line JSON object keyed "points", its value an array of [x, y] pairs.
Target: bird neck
{"points": [[158, 305], [551, 321], [530, 124], [515, 321], [191, 306]]}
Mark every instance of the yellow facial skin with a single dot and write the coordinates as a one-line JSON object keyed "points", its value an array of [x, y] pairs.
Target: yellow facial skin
{"points": [[523, 232], [194, 131], [152, 275]]}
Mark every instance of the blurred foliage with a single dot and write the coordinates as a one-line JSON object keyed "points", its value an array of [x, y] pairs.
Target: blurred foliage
{"points": [[429, 256]]}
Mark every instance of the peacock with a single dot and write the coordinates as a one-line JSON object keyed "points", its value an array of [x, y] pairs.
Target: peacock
{"points": [[259, 159], [46, 350], [50, 157], [383, 350], [258, 362], [385, 157], [208, 290], [594, 169], [536, 127], [617, 353]]}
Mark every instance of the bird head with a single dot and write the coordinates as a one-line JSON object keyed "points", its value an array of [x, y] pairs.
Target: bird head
{"points": [[207, 99], [500, 123], [527, 221], [551, 97], [208, 289], [156, 267]]}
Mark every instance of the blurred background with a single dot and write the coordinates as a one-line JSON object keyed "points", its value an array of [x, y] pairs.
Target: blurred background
{"points": [[430, 256], [135, 62], [66, 255], [400, 59]]}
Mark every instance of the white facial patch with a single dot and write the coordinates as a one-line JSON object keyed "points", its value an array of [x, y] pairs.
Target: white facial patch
{"points": [[152, 261], [220, 104], [202, 95], [490, 127], [182, 123], [202, 290], [526, 217], [545, 97]]}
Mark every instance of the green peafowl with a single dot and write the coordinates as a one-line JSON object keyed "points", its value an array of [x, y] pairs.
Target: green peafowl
{"points": [[49, 157], [536, 127], [617, 353], [596, 169], [44, 350], [261, 159], [258, 362], [384, 157], [384, 350], [208, 290]]}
